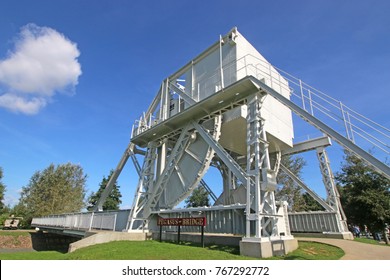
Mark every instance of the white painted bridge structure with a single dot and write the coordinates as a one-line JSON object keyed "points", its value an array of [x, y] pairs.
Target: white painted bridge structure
{"points": [[230, 109]]}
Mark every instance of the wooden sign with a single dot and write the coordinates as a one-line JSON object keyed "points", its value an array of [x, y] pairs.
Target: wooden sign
{"points": [[201, 221]]}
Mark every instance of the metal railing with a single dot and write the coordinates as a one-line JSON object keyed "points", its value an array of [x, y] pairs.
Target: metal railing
{"points": [[359, 129], [367, 134], [319, 221], [219, 220], [79, 221]]}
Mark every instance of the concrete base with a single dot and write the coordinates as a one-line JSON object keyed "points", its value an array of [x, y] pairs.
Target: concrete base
{"points": [[93, 238], [265, 247], [336, 235]]}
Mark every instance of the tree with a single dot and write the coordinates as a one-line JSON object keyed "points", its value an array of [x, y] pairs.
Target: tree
{"points": [[289, 190], [198, 198], [112, 202], [56, 189], [310, 204], [364, 193], [2, 191]]}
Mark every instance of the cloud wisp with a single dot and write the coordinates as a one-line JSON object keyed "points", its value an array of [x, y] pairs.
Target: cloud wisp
{"points": [[42, 64]]}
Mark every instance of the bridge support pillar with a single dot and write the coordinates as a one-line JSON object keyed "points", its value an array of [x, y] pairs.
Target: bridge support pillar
{"points": [[265, 247], [264, 237]]}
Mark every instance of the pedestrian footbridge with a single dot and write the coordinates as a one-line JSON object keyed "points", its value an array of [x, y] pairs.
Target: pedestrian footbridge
{"points": [[77, 224], [220, 220]]}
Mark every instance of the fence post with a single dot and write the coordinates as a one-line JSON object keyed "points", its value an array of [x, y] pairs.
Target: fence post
{"points": [[302, 95], [246, 66], [350, 127], [270, 75], [202, 236], [344, 120], [311, 103], [101, 221], [72, 221], [90, 223], [114, 222]]}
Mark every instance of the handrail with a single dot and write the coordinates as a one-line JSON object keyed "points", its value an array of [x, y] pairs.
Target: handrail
{"points": [[79, 221], [366, 133]]}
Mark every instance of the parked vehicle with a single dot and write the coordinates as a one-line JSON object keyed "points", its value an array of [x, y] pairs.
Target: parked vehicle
{"points": [[12, 223]]}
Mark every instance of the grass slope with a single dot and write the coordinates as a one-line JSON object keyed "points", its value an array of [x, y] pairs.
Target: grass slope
{"points": [[370, 241], [15, 232], [153, 250]]}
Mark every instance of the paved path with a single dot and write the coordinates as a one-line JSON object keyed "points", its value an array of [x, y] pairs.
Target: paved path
{"points": [[355, 250]]}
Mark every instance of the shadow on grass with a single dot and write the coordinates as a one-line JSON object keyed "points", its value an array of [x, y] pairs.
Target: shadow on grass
{"points": [[295, 258], [306, 251], [235, 250]]}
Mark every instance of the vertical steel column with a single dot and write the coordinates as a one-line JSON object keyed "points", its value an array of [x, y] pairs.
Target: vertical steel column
{"points": [[331, 190], [161, 161], [261, 182]]}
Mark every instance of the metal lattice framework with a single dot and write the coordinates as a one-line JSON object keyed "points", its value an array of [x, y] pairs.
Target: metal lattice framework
{"points": [[229, 108], [261, 182]]}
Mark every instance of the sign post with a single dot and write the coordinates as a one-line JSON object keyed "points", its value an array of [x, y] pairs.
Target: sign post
{"points": [[202, 237], [179, 222], [160, 233]]}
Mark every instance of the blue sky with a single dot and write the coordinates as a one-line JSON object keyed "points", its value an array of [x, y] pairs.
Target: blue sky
{"points": [[114, 55]]}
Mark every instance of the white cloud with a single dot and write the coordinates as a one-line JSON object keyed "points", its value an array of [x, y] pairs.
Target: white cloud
{"points": [[43, 63], [29, 106]]}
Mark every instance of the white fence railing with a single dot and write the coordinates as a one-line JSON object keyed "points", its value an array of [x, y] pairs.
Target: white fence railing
{"points": [[108, 220], [318, 221], [218, 221]]}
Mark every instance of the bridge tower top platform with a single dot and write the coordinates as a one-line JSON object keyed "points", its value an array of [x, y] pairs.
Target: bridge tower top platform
{"points": [[222, 65]]}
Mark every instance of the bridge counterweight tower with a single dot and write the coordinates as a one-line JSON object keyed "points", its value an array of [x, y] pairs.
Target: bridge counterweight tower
{"points": [[229, 108]]}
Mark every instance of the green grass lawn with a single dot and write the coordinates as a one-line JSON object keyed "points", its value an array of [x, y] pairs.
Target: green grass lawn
{"points": [[44, 255], [369, 241], [313, 251], [15, 232], [153, 250]]}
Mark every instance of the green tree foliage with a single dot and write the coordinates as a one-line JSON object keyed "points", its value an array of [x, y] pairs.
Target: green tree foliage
{"points": [[56, 189], [21, 210], [365, 194], [198, 198], [310, 204], [288, 190], [2, 192], [112, 202]]}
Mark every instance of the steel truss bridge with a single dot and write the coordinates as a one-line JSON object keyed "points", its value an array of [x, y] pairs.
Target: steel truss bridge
{"points": [[230, 109]]}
